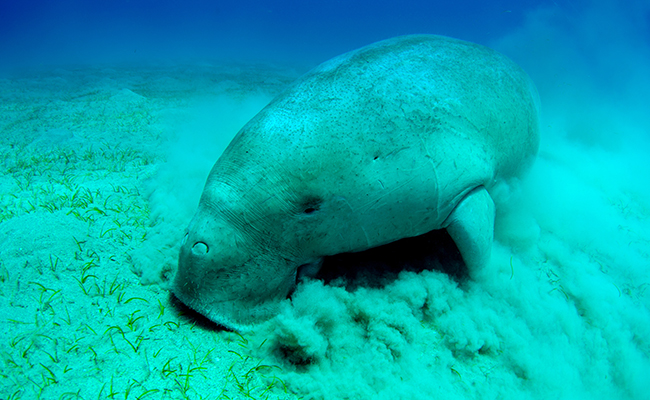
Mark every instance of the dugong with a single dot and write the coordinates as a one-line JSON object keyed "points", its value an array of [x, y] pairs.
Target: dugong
{"points": [[390, 141]]}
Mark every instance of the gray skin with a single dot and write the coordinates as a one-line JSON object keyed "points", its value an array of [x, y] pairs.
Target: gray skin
{"points": [[390, 141]]}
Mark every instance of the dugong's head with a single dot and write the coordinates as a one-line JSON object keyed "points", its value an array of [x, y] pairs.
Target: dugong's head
{"points": [[241, 255]]}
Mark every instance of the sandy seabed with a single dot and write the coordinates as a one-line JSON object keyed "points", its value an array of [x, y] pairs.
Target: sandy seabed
{"points": [[101, 169]]}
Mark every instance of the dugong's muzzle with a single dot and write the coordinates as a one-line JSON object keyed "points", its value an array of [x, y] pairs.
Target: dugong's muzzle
{"points": [[224, 277]]}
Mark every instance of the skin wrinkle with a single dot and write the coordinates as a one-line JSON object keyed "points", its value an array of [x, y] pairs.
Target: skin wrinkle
{"points": [[371, 204]]}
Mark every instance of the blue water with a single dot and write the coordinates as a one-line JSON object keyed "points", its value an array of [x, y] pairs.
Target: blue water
{"points": [[78, 31]]}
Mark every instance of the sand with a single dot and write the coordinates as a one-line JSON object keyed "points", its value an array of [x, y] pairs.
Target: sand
{"points": [[86, 260], [101, 171]]}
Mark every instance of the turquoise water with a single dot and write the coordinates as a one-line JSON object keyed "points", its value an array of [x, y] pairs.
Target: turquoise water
{"points": [[111, 116]]}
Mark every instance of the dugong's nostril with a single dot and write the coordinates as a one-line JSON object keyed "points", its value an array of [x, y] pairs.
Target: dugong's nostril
{"points": [[200, 249], [184, 239]]}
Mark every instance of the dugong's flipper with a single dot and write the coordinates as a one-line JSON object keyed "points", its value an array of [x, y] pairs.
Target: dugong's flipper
{"points": [[471, 226]]}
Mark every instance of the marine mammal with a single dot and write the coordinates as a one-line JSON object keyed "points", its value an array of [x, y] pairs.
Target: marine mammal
{"points": [[389, 141]]}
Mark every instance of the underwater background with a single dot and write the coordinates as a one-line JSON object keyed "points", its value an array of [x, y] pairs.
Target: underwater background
{"points": [[112, 114]]}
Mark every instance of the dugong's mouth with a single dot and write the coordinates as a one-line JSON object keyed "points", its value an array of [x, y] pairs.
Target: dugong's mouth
{"points": [[230, 287], [229, 313], [216, 312]]}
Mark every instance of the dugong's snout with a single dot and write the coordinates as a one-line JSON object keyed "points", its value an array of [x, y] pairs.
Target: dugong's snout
{"points": [[222, 278]]}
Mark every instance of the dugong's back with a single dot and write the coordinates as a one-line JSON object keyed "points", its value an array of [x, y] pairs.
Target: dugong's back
{"points": [[430, 94]]}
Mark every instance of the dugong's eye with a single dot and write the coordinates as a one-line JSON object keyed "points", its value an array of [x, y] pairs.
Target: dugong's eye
{"points": [[310, 205]]}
